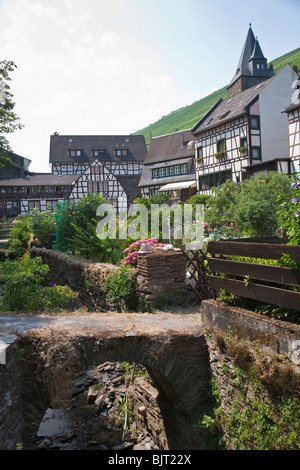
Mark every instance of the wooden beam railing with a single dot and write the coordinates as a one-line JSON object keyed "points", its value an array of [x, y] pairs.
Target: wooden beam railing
{"points": [[254, 280]]}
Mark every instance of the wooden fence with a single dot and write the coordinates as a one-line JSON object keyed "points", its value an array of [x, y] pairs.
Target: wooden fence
{"points": [[197, 266], [241, 277]]}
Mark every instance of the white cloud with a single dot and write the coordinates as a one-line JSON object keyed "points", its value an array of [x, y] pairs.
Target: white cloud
{"points": [[79, 72]]}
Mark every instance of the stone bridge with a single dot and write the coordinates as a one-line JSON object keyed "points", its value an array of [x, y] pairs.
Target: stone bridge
{"points": [[171, 346]]}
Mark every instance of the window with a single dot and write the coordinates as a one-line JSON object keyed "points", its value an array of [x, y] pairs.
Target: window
{"points": [[221, 145], [257, 66], [170, 171], [153, 192], [243, 142], [98, 187], [98, 153], [184, 168], [96, 170], [75, 153], [121, 152], [254, 122], [50, 205], [256, 153], [214, 179], [200, 153], [203, 182], [33, 204]]}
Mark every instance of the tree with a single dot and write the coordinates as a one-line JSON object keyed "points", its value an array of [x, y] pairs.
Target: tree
{"points": [[9, 120]]}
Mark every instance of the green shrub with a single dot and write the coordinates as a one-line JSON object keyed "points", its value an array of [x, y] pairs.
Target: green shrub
{"points": [[21, 287], [42, 225], [19, 237], [121, 289], [289, 211]]}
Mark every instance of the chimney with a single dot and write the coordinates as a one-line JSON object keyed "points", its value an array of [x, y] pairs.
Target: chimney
{"points": [[295, 68]]}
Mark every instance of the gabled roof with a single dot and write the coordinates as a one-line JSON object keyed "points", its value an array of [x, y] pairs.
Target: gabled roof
{"points": [[229, 109], [171, 147], [61, 144]]}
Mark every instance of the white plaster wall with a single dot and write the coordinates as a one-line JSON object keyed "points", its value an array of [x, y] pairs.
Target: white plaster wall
{"points": [[274, 98]]}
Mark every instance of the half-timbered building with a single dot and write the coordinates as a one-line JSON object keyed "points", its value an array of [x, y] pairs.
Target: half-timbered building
{"points": [[170, 166], [245, 134], [110, 165], [293, 113], [20, 195]]}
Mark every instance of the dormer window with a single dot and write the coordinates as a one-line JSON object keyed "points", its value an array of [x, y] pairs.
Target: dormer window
{"points": [[75, 153], [121, 152], [98, 152]]}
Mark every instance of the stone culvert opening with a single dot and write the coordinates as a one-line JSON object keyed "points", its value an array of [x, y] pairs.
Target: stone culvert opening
{"points": [[177, 388]]}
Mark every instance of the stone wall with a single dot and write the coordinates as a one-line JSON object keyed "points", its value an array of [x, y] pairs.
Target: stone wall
{"points": [[147, 412], [11, 407], [274, 336], [156, 273], [83, 276], [253, 360], [159, 272]]}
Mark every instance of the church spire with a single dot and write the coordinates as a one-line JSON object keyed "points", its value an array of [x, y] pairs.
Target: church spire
{"points": [[252, 67]]}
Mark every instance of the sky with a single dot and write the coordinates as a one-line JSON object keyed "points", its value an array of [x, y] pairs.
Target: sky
{"points": [[99, 67]]}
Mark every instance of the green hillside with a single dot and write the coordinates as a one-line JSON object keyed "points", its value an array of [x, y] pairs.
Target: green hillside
{"points": [[188, 116]]}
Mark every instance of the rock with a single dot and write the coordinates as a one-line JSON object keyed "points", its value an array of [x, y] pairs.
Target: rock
{"points": [[92, 395], [100, 400], [146, 247], [77, 391], [138, 447], [123, 446], [54, 424]]}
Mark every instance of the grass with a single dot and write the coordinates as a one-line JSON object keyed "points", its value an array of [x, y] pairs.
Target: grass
{"points": [[187, 116]]}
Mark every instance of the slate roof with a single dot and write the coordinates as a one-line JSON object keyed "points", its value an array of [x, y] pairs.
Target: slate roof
{"points": [[169, 147], [229, 109], [40, 179], [61, 144], [251, 50]]}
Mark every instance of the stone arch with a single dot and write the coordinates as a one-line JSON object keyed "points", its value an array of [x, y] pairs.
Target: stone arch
{"points": [[177, 363]]}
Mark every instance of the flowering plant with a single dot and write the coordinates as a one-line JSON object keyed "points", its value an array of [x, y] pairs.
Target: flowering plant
{"points": [[228, 231], [132, 251], [243, 149], [220, 154], [289, 212]]}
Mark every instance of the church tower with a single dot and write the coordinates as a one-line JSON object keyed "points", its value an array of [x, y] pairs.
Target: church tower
{"points": [[252, 67]]}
